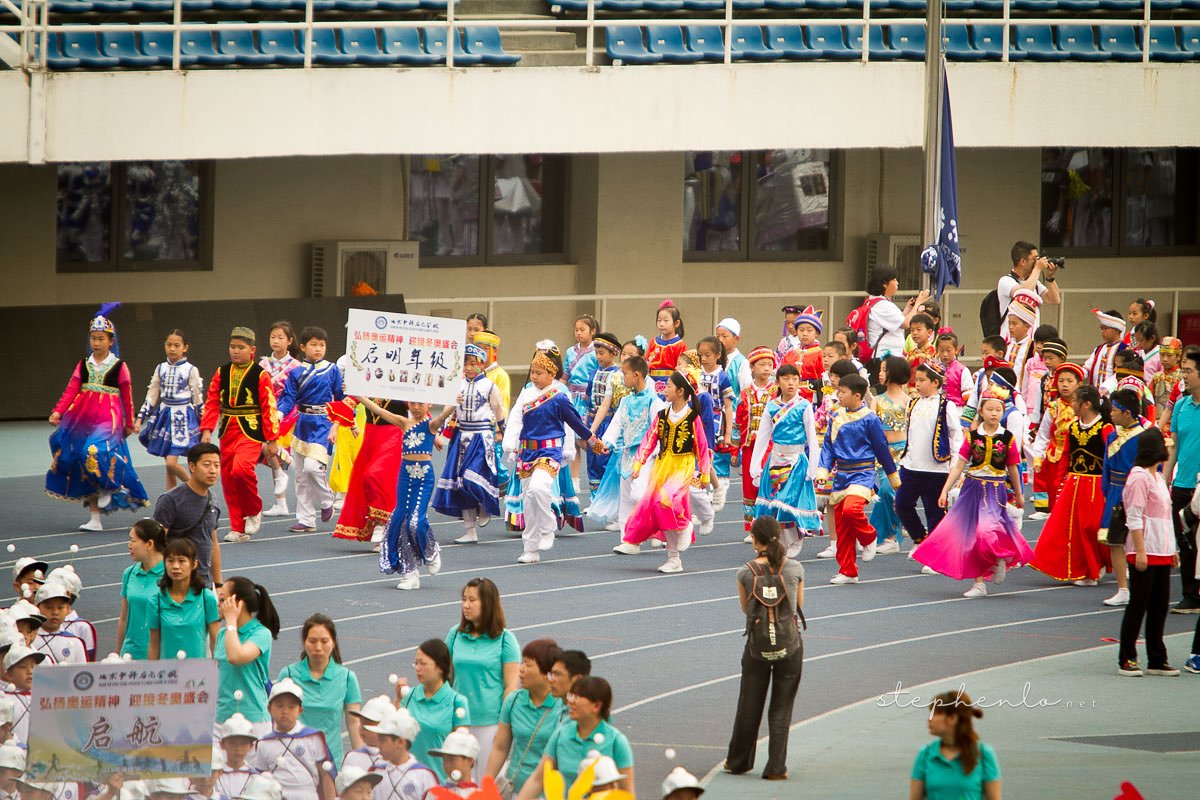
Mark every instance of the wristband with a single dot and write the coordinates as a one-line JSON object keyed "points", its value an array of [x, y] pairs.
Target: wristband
{"points": [[1049, 280], [231, 628]]}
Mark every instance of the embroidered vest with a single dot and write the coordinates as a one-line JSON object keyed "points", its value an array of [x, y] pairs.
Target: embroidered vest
{"points": [[991, 451], [677, 438], [241, 401]]}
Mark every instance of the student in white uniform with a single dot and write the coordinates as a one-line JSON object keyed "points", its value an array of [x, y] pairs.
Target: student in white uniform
{"points": [[294, 753]]}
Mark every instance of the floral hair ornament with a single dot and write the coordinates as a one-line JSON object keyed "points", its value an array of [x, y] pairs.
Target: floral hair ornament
{"points": [[1171, 346]]}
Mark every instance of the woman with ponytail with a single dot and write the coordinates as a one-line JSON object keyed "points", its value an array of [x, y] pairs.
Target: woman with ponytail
{"points": [[243, 651], [955, 764], [769, 569]]}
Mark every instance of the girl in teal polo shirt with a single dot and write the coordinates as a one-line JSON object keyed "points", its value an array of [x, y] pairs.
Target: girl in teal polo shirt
{"points": [[183, 615], [331, 691], [139, 585], [433, 703], [527, 718], [955, 765], [243, 651]]}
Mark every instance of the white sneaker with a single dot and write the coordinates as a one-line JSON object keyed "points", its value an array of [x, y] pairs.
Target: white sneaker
{"points": [[93, 524], [546, 542], [233, 537], [470, 537], [673, 565], [1121, 598], [409, 582], [280, 483], [793, 550], [1038, 516], [1087, 582], [338, 503], [280, 509], [828, 552], [889, 547], [627, 549], [720, 492], [868, 552], [612, 526], [657, 544], [840, 579], [435, 565], [253, 524], [1000, 572], [706, 528], [104, 500], [377, 536], [749, 539], [928, 571], [978, 590], [529, 558]]}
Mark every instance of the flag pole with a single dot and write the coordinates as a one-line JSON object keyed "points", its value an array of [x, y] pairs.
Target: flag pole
{"points": [[934, 67]]}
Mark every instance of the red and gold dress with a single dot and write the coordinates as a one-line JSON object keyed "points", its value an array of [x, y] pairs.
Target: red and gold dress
{"points": [[746, 418], [372, 488], [1049, 452], [661, 357]]}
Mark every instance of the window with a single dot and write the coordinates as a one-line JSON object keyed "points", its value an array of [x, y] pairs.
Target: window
{"points": [[134, 215], [470, 210], [787, 211], [1108, 202]]}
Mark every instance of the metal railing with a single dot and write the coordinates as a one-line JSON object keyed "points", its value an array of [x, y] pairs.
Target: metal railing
{"points": [[34, 27]]}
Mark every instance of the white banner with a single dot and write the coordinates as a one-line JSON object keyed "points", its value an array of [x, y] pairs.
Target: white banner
{"points": [[404, 357]]}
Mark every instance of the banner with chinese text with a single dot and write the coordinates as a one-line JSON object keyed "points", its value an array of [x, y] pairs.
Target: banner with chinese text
{"points": [[404, 357], [144, 719]]}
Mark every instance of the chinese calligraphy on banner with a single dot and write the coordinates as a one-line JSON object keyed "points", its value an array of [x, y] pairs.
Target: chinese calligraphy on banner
{"points": [[404, 357], [145, 719]]}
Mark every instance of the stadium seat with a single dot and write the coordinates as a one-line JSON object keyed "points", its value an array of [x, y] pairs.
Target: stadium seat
{"points": [[704, 5], [747, 44], [404, 44], [362, 44], [484, 40], [830, 42], [624, 43], [1036, 42], [199, 45], [989, 40], [975, 5], [326, 50], [662, 5], [86, 48], [1166, 5], [285, 45], [231, 5], [71, 7], [707, 41], [1192, 5], [880, 49], [789, 40], [55, 58], [159, 45], [908, 41], [239, 43], [667, 41], [832, 5], [197, 5], [122, 45], [1079, 42], [153, 5], [749, 5], [437, 5], [898, 5], [275, 5], [785, 5], [355, 5], [1165, 47], [399, 5], [1035, 6], [1078, 5], [957, 39], [1121, 41], [435, 45], [112, 6], [1121, 5], [618, 5]]}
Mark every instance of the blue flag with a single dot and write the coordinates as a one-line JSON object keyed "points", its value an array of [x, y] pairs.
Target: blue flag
{"points": [[942, 260]]}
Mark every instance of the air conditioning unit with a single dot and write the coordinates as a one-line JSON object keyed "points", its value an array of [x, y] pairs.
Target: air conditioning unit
{"points": [[349, 268], [902, 251]]}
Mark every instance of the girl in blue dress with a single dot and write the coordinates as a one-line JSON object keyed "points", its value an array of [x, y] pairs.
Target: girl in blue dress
{"points": [[168, 423]]}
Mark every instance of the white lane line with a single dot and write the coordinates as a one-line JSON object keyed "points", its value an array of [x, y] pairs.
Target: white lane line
{"points": [[863, 649]]}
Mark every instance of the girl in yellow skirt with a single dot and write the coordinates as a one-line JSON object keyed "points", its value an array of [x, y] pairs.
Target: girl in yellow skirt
{"points": [[347, 441]]}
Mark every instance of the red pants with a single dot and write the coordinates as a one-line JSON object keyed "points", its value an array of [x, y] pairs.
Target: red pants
{"points": [[239, 482], [749, 490], [852, 528]]}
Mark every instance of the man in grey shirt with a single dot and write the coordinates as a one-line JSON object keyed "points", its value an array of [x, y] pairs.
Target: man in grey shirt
{"points": [[188, 511]]}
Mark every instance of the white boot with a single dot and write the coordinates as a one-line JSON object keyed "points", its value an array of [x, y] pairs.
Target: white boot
{"points": [[93, 523], [409, 582], [719, 493], [280, 479]]}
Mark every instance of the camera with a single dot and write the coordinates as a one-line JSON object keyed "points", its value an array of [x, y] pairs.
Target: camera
{"points": [[1059, 263]]}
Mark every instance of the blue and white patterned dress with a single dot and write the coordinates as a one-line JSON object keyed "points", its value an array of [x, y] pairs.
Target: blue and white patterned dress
{"points": [[170, 416], [409, 542], [469, 479]]}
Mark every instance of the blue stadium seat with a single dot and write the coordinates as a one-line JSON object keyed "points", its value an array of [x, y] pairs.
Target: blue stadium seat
{"points": [[1122, 41], [832, 5], [274, 5], [159, 44], [1121, 5], [240, 45], [662, 5], [785, 5], [898, 5], [112, 6], [86, 48], [1190, 41], [197, 5], [199, 45], [747, 43], [1079, 42], [1165, 47], [55, 58], [399, 5], [667, 41], [707, 41], [908, 40], [619, 5], [1078, 5], [1191, 5], [749, 5], [880, 50], [285, 45], [1036, 42], [704, 5], [231, 5], [1037, 6], [974, 5], [435, 45], [404, 44], [484, 40], [326, 50], [625, 42], [958, 44], [989, 40], [153, 5], [71, 7], [355, 5], [789, 40], [830, 42], [1165, 5], [437, 5], [122, 45], [362, 44]]}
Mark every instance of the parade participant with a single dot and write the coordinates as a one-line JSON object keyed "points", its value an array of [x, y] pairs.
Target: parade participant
{"points": [[748, 419], [284, 357], [293, 752], [1049, 448], [371, 494], [624, 436], [891, 408], [1120, 451], [1100, 369], [806, 356], [168, 424], [183, 616], [933, 435], [663, 351], [603, 397]]}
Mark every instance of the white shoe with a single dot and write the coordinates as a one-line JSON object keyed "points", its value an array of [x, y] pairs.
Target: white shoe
{"points": [[889, 547], [612, 526], [674, 564], [409, 582], [484, 519], [93, 524], [1038, 516], [233, 537], [706, 528], [253, 524], [695, 520], [1000, 572], [928, 571], [627, 549], [546, 542], [1087, 582], [840, 579], [280, 482], [337, 504], [280, 509], [104, 500], [793, 550], [470, 537], [657, 544], [529, 558], [828, 552], [1121, 598], [978, 590], [435, 565], [868, 552], [720, 492], [749, 539], [377, 536]]}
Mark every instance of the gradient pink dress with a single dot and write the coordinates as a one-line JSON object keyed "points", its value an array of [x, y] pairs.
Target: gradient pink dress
{"points": [[683, 459]]}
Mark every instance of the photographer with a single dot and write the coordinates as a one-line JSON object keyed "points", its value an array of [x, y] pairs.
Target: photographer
{"points": [[1030, 271]]}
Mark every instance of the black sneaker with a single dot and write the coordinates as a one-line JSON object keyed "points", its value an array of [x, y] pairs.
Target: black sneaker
{"points": [[1129, 669], [1188, 605]]}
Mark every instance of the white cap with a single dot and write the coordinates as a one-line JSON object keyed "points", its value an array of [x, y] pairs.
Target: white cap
{"points": [[604, 770], [374, 709], [48, 788], [26, 563], [286, 686], [19, 652], [732, 325], [351, 775], [7, 714], [458, 742], [178, 787], [25, 611], [12, 755], [238, 725], [398, 722], [680, 778], [261, 787], [67, 576], [52, 589]]}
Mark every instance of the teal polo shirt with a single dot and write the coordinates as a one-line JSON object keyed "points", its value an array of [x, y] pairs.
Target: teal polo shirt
{"points": [[138, 588], [479, 670], [438, 715], [250, 678], [532, 726], [944, 780], [568, 750], [325, 699], [1185, 427], [183, 626]]}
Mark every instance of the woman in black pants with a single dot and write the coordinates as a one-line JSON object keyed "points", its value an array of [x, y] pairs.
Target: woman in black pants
{"points": [[781, 676]]}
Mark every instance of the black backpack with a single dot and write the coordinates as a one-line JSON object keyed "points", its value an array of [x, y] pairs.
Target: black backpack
{"points": [[990, 319], [772, 631]]}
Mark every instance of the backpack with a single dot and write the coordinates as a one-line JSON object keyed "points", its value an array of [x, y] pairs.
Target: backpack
{"points": [[772, 631], [857, 319], [990, 319]]}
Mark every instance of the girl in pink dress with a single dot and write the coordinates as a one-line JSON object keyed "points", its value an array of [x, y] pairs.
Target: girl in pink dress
{"points": [[278, 365]]}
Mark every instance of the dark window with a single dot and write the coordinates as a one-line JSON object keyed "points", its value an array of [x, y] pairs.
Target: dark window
{"points": [[134, 215], [1107, 202], [762, 205], [470, 210]]}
